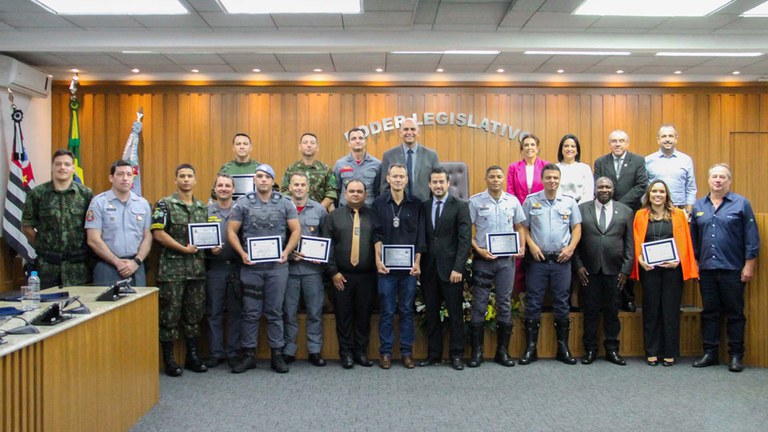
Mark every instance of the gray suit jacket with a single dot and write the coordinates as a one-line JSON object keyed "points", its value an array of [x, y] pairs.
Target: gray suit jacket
{"points": [[630, 187], [610, 252], [426, 160]]}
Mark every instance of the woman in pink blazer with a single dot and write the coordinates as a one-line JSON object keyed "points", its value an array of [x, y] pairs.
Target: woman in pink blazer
{"points": [[524, 176]]}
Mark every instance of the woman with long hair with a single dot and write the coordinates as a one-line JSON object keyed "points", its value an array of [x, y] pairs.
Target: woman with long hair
{"points": [[659, 219], [576, 178], [524, 176]]}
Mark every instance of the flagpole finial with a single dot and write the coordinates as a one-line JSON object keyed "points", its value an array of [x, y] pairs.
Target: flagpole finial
{"points": [[73, 84], [10, 99]]}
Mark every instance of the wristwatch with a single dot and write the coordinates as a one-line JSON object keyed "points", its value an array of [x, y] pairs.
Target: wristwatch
{"points": [[138, 261]]}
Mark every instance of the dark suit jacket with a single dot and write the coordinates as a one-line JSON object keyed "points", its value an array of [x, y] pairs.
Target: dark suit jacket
{"points": [[448, 245], [634, 178], [426, 160], [610, 252]]}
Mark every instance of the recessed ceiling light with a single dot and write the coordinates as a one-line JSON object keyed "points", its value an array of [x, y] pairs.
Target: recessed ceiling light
{"points": [[736, 72], [472, 52], [439, 70], [757, 11], [500, 70], [664, 8], [379, 70], [619, 71], [306, 6], [586, 53], [113, 7], [135, 70], [416, 52], [194, 70], [74, 70], [678, 72], [707, 54], [255, 70], [317, 70], [560, 70]]}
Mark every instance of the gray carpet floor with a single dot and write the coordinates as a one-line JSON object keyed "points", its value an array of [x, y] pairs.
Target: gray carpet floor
{"points": [[544, 396]]}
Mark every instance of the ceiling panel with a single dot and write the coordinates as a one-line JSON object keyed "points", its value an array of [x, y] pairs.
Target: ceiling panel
{"points": [[567, 6], [196, 59], [19, 6], [265, 68], [305, 62], [204, 5], [386, 20], [142, 59], [254, 59], [308, 20], [220, 19], [166, 21], [464, 68], [627, 23], [707, 23], [470, 13], [389, 5], [516, 19], [467, 59], [25, 20], [711, 70], [426, 13], [559, 21]]}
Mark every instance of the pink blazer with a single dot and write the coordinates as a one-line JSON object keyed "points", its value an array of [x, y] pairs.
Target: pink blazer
{"points": [[517, 185]]}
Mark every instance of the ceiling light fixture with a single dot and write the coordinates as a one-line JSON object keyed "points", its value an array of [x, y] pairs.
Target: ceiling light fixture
{"points": [[500, 70], [439, 70], [135, 70], [317, 70], [472, 52], [619, 71], [256, 70], [736, 73], [194, 70], [379, 70], [583, 53], [74, 70], [294, 6], [678, 72], [416, 52], [708, 54], [650, 8], [113, 7], [560, 70]]}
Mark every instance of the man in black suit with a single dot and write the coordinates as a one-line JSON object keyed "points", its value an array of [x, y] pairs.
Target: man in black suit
{"points": [[449, 237], [417, 159], [630, 179], [603, 263]]}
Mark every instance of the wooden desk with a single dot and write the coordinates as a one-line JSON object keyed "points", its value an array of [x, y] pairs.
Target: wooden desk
{"points": [[95, 372]]}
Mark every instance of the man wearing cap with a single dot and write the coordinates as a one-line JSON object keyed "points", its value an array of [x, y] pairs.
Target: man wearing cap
{"points": [[258, 214]]}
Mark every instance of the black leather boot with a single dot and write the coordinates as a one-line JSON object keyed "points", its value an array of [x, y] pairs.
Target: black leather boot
{"points": [[531, 339], [503, 334], [171, 367], [192, 361], [562, 329], [278, 362], [247, 362], [476, 337]]}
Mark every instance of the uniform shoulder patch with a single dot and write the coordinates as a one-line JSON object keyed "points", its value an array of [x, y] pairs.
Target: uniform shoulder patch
{"points": [[89, 216]]}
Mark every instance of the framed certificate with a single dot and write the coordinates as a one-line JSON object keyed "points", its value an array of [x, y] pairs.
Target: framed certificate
{"points": [[503, 244], [398, 257], [315, 248], [243, 184], [660, 251], [265, 249], [205, 235]]}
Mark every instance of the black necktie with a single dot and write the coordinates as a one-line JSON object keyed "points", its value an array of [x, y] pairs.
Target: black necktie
{"points": [[409, 167], [437, 214], [601, 223]]}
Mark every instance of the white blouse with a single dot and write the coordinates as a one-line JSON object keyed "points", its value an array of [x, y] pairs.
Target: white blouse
{"points": [[577, 181]]}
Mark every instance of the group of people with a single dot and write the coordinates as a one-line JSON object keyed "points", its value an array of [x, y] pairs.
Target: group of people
{"points": [[403, 203]]}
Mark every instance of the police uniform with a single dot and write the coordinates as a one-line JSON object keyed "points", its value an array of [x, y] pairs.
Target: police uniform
{"points": [[492, 216], [550, 228], [263, 283], [122, 226], [306, 278], [60, 243], [367, 171], [223, 291], [180, 277], [322, 182]]}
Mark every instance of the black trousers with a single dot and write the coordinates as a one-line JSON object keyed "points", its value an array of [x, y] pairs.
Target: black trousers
{"points": [[353, 307], [662, 294], [722, 293], [601, 296], [435, 292]]}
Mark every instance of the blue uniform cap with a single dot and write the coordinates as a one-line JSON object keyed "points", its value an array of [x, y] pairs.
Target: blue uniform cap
{"points": [[267, 169]]}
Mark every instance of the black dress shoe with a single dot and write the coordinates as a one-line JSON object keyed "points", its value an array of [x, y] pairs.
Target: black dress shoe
{"points": [[615, 358], [629, 307], [346, 362], [430, 361], [457, 363], [708, 359], [589, 357], [736, 364], [288, 359], [363, 360], [316, 360]]}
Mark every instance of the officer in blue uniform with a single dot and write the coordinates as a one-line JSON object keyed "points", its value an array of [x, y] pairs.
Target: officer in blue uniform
{"points": [[553, 225], [258, 214]]}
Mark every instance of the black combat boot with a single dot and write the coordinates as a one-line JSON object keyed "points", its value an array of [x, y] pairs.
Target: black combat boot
{"points": [[193, 362], [171, 367], [476, 336], [247, 362], [562, 329], [531, 339], [503, 334], [278, 362]]}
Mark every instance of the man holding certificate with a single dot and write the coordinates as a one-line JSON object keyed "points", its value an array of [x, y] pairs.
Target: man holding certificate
{"points": [[181, 273], [499, 239], [448, 229], [257, 230], [553, 228], [726, 242], [603, 262], [305, 275], [399, 237]]}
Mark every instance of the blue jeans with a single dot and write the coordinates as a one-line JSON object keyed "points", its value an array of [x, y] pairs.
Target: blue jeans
{"points": [[396, 291]]}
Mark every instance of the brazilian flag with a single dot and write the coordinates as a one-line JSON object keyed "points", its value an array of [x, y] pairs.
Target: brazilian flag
{"points": [[74, 138]]}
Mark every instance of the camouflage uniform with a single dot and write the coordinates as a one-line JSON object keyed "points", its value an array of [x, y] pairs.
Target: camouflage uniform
{"points": [[58, 217], [180, 277], [235, 167], [322, 182]]}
